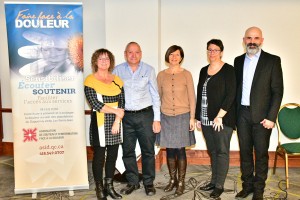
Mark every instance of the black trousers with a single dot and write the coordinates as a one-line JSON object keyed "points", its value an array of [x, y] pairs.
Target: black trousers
{"points": [[218, 145], [253, 136], [99, 160], [138, 126]]}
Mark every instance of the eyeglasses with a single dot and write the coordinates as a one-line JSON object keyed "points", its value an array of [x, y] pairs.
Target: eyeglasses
{"points": [[212, 50], [104, 59]]}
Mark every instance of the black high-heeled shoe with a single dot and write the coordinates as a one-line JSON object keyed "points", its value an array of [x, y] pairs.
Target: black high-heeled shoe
{"points": [[207, 187], [216, 192]]}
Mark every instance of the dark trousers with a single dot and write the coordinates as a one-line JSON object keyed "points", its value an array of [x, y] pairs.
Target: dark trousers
{"points": [[99, 160], [253, 136], [218, 145], [138, 126]]}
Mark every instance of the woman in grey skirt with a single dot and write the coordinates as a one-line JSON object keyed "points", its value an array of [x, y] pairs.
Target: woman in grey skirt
{"points": [[176, 90]]}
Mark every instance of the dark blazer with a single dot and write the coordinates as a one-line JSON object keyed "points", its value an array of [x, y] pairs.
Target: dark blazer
{"points": [[221, 90], [267, 87]]}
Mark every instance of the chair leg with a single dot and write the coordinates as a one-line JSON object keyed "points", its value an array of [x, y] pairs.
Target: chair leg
{"points": [[286, 157], [275, 162]]}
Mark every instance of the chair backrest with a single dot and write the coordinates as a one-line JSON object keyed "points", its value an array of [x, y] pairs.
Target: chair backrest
{"points": [[288, 120]]}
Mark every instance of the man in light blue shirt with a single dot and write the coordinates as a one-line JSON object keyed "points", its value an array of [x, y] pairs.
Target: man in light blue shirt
{"points": [[142, 117]]}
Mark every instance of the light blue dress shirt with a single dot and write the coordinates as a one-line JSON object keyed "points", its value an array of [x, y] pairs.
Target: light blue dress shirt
{"points": [[140, 87], [250, 64]]}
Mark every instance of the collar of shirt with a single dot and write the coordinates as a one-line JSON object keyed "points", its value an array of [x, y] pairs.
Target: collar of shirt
{"points": [[130, 70]]}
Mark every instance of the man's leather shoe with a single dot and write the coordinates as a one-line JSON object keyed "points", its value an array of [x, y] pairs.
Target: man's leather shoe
{"points": [[129, 189], [150, 190], [243, 194], [216, 193], [258, 196], [207, 187]]}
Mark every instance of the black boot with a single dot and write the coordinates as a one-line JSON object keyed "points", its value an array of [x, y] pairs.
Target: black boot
{"points": [[100, 191], [181, 176], [110, 190], [172, 166]]}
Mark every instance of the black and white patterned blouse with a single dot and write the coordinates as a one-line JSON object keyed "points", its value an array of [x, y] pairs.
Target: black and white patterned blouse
{"points": [[204, 104], [101, 123]]}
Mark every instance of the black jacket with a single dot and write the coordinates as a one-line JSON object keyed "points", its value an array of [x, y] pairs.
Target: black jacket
{"points": [[267, 86], [221, 89]]}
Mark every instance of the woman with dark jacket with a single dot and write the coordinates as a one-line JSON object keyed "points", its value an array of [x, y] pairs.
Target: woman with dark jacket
{"points": [[215, 113]]}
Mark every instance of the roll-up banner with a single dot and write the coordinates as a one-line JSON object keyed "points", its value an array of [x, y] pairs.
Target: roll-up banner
{"points": [[45, 46]]}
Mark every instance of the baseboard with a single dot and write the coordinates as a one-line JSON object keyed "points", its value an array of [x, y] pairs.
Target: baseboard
{"points": [[194, 157], [7, 148]]}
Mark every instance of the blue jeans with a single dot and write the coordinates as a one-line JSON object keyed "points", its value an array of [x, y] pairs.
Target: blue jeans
{"points": [[218, 145], [138, 126]]}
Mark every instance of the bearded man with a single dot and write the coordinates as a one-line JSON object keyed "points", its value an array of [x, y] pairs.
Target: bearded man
{"points": [[259, 94]]}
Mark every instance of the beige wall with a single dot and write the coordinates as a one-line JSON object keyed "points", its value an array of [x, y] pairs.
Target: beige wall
{"points": [[192, 23], [157, 24]]}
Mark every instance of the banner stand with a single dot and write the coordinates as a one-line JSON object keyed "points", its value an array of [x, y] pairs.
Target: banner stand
{"points": [[45, 42]]}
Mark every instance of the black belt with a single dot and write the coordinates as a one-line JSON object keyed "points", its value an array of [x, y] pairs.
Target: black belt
{"points": [[139, 111], [246, 107]]}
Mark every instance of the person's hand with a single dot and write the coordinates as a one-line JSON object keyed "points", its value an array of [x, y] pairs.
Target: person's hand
{"points": [[218, 124], [267, 124], [115, 129], [192, 124], [156, 126], [198, 124], [119, 112]]}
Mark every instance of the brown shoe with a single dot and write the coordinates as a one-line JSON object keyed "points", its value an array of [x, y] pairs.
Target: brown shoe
{"points": [[172, 166], [181, 176]]}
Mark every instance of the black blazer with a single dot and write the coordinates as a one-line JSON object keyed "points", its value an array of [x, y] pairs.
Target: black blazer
{"points": [[267, 86], [221, 90]]}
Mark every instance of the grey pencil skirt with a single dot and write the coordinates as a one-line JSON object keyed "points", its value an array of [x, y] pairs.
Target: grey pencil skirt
{"points": [[175, 131]]}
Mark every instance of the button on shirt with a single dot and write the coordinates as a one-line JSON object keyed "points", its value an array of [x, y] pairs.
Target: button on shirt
{"points": [[250, 64], [140, 87]]}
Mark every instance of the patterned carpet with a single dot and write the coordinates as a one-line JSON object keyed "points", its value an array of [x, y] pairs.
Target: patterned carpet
{"points": [[196, 177]]}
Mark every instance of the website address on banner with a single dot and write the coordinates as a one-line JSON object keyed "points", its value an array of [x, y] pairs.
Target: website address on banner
{"points": [[51, 150], [46, 153]]}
